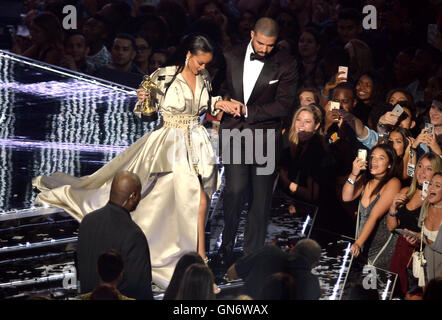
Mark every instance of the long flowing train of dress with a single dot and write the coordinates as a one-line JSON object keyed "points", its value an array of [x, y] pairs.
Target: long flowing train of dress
{"points": [[168, 162]]}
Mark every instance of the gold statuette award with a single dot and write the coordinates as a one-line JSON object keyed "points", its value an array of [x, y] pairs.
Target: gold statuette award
{"points": [[147, 108]]}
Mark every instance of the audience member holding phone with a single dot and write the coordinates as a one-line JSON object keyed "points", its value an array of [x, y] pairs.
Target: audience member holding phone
{"points": [[376, 189], [404, 214]]}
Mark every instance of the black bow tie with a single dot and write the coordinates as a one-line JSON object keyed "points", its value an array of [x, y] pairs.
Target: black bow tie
{"points": [[255, 56]]}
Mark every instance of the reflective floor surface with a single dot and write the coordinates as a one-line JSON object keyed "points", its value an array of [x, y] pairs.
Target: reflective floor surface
{"points": [[57, 120]]}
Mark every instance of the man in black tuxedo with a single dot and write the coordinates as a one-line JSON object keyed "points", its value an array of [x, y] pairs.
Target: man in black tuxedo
{"points": [[263, 80], [111, 227]]}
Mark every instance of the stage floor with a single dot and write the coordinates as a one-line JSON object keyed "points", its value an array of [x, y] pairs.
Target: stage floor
{"points": [[57, 120]]}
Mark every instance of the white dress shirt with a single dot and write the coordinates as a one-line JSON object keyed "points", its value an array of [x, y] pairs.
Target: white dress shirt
{"points": [[251, 72]]}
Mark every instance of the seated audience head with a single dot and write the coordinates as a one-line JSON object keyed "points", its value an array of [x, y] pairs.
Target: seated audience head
{"points": [[361, 58], [123, 51], [126, 190], [185, 261], [433, 289], [279, 286], [307, 96], [344, 93], [349, 24], [309, 43], [157, 59], [309, 250], [243, 297], [76, 46], [246, 23], [426, 166], [396, 95], [104, 292], [197, 284], [433, 88], [110, 267], [143, 50], [436, 111], [305, 123], [369, 88], [398, 138], [46, 29], [96, 30]]}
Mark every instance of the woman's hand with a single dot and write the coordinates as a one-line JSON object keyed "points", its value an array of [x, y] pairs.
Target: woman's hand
{"points": [[420, 139], [398, 200], [389, 118], [335, 80], [231, 107], [431, 142], [412, 240], [358, 165], [142, 94], [355, 249]]}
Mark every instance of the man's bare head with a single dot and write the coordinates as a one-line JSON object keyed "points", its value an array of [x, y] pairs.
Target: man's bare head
{"points": [[264, 36], [126, 190], [267, 27]]}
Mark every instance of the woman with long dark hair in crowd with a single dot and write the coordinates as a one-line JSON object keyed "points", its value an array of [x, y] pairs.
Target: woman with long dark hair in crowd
{"points": [[376, 188], [176, 154], [309, 53], [404, 214], [185, 262], [197, 284]]}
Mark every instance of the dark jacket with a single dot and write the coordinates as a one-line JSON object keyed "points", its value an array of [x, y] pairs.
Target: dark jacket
{"points": [[272, 96], [111, 227]]}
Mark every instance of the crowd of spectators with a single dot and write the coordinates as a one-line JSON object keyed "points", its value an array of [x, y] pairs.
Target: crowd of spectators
{"points": [[398, 63]]}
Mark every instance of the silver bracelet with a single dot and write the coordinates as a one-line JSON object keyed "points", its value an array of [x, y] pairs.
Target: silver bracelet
{"points": [[351, 181]]}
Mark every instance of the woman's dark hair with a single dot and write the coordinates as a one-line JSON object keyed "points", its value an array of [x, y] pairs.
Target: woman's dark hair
{"points": [[406, 93], [180, 268], [279, 286], [391, 172], [194, 43], [51, 27], [433, 289], [197, 284], [405, 133]]}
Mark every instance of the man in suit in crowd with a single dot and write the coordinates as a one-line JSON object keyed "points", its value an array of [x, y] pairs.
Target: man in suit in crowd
{"points": [[111, 227], [263, 80]]}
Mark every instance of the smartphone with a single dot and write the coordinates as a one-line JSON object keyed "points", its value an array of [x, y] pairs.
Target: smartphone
{"points": [[410, 170], [362, 154], [407, 233], [429, 128], [344, 69], [398, 110], [425, 185], [334, 105]]}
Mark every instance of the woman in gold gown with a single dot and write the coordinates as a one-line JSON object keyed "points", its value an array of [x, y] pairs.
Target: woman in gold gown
{"points": [[176, 164]]}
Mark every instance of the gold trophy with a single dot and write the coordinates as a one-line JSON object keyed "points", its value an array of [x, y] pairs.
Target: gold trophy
{"points": [[147, 107]]}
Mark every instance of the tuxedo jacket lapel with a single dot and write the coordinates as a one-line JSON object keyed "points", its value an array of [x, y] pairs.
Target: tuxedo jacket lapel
{"points": [[237, 73], [267, 74]]}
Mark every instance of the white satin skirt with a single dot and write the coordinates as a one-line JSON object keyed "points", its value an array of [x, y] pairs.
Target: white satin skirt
{"points": [[168, 210]]}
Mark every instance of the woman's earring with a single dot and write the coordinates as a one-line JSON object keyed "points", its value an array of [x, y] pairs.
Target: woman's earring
{"points": [[187, 61]]}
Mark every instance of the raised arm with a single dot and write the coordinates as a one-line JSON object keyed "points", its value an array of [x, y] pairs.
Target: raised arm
{"points": [[353, 186]]}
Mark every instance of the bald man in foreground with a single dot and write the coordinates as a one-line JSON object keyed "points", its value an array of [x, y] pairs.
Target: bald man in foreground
{"points": [[111, 227]]}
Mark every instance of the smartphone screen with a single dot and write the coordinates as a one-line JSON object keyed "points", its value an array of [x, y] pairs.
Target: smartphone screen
{"points": [[343, 69]]}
